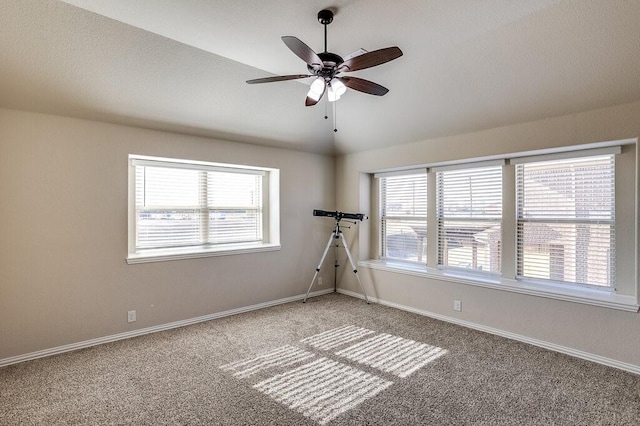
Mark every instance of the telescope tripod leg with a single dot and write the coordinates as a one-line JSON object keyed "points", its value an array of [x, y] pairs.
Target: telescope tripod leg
{"points": [[324, 255], [355, 271]]}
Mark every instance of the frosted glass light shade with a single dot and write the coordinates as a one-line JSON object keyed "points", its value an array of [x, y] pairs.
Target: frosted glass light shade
{"points": [[336, 90], [317, 89]]}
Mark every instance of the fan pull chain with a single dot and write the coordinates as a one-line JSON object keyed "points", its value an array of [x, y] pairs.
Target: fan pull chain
{"points": [[326, 113], [335, 117]]}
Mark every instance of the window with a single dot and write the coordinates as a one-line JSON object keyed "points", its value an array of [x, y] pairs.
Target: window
{"points": [[469, 206], [179, 207], [403, 216], [566, 220], [538, 222]]}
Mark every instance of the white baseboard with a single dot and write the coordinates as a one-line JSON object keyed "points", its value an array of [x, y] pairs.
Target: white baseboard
{"points": [[632, 368], [134, 333]]}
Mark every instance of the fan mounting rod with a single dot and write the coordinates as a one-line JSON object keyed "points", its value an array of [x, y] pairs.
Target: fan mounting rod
{"points": [[330, 61], [325, 17]]}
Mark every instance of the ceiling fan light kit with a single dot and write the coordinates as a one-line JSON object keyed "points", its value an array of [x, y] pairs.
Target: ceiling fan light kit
{"points": [[327, 66]]}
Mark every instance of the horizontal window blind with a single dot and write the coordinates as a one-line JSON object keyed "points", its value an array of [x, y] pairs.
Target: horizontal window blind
{"points": [[566, 217], [235, 207], [188, 206], [469, 206], [403, 217]]}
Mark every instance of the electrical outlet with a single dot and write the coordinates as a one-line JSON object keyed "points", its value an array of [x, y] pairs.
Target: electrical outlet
{"points": [[319, 281], [131, 316], [457, 305]]}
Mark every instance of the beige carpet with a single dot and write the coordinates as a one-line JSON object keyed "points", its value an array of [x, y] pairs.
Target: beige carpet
{"points": [[331, 361]]}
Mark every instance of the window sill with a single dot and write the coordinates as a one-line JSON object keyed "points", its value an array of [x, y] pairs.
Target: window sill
{"points": [[588, 296], [163, 255]]}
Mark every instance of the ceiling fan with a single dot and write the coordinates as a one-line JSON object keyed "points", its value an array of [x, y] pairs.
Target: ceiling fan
{"points": [[327, 66]]}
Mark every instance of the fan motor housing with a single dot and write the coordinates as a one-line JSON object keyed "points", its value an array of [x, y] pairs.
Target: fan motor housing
{"points": [[330, 62]]}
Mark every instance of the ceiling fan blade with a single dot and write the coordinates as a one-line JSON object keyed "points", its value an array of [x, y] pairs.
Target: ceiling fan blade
{"points": [[371, 59], [303, 51], [278, 78], [365, 86]]}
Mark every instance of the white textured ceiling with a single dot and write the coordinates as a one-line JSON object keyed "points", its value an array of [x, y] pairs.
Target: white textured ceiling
{"points": [[182, 65]]}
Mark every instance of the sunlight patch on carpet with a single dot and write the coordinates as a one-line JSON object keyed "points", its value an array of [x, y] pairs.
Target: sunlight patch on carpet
{"points": [[337, 337], [284, 356], [317, 383], [392, 354], [322, 389]]}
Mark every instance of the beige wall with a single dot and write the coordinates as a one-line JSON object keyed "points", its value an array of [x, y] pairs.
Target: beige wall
{"points": [[63, 233], [601, 332]]}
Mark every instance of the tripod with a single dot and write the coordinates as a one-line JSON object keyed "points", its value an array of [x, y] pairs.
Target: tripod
{"points": [[336, 234]]}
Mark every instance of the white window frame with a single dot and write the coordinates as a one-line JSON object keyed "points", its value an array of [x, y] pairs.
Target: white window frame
{"points": [[270, 218], [476, 219], [521, 220], [384, 217]]}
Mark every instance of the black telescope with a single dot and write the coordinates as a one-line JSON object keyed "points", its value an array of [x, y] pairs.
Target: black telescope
{"points": [[339, 215]]}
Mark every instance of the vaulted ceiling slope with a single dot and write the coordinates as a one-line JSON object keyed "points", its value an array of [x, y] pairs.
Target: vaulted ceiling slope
{"points": [[181, 65]]}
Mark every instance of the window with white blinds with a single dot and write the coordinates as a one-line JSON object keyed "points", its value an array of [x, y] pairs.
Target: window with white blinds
{"points": [[403, 216], [178, 205], [469, 206], [566, 220]]}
